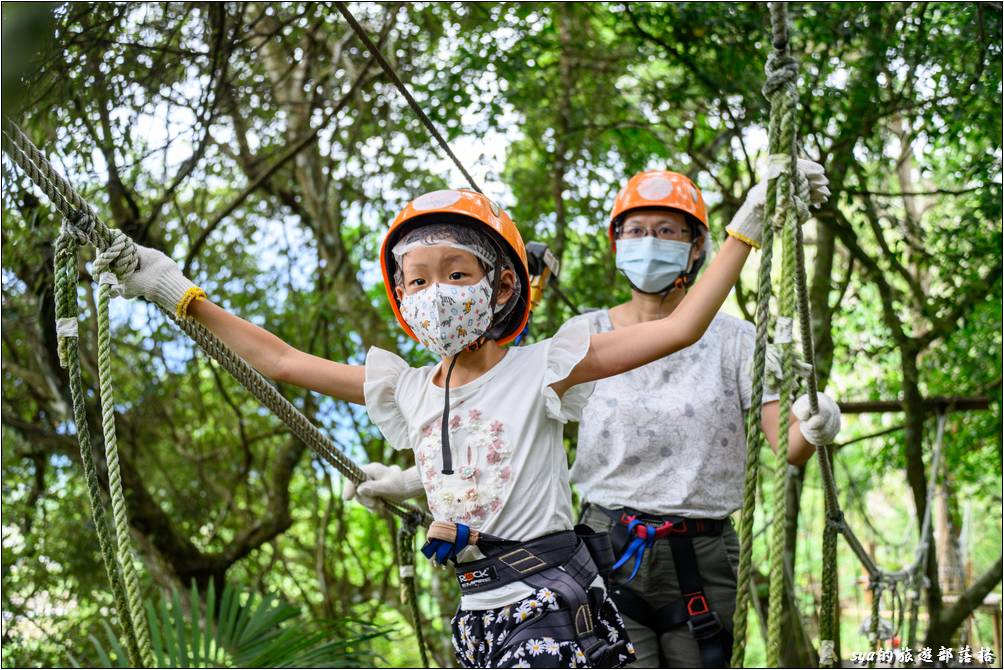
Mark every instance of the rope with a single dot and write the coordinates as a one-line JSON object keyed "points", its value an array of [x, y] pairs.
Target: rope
{"points": [[419, 112], [917, 578], [409, 592], [69, 358], [753, 430], [873, 624], [107, 284], [780, 90], [87, 227]]}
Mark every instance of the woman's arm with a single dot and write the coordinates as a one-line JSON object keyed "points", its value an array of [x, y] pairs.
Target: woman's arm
{"points": [[800, 450], [275, 359], [614, 352]]}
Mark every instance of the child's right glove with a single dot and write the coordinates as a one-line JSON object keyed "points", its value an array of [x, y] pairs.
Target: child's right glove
{"points": [[160, 280], [388, 483], [747, 224]]}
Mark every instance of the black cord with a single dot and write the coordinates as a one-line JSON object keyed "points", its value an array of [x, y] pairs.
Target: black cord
{"points": [[426, 121], [445, 428]]}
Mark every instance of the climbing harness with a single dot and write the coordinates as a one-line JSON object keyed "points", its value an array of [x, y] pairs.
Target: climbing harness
{"points": [[566, 562], [635, 532]]}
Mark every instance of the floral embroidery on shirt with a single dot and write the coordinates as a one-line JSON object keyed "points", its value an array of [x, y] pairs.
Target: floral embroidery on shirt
{"points": [[475, 488]]}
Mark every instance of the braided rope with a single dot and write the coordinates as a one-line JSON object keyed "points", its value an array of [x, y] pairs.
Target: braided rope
{"points": [[108, 281], [754, 434], [87, 227], [780, 90], [409, 591], [69, 357]]}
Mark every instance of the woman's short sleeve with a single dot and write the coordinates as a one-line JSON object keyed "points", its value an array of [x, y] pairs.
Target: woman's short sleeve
{"points": [[383, 374], [564, 351]]}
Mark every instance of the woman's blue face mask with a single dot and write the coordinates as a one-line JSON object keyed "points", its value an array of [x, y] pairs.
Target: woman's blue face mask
{"points": [[651, 264]]}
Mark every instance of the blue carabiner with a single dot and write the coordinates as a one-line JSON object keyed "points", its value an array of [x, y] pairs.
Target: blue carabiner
{"points": [[637, 547]]}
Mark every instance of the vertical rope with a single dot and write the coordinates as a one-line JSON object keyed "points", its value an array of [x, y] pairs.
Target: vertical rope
{"points": [[126, 559], [409, 593], [873, 623], [777, 68], [69, 357]]}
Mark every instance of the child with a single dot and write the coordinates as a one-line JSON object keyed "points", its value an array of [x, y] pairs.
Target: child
{"points": [[485, 424]]}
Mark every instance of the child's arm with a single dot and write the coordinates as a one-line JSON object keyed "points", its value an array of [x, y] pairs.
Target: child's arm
{"points": [[614, 352], [277, 360], [160, 280]]}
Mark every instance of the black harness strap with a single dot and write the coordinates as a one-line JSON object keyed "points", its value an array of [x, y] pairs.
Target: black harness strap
{"points": [[713, 639]]}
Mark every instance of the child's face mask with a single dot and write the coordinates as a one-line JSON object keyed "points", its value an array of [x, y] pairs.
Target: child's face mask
{"points": [[446, 317]]}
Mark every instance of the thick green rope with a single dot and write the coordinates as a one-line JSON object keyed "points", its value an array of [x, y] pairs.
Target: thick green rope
{"points": [[753, 431], [107, 279], [23, 152], [409, 592], [69, 357], [783, 99], [782, 339]]}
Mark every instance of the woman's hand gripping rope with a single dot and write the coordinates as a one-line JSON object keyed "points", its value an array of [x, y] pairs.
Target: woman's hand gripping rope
{"points": [[747, 224]]}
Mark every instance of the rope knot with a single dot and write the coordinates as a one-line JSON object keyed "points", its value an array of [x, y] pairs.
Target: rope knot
{"points": [[781, 71], [81, 227], [118, 259]]}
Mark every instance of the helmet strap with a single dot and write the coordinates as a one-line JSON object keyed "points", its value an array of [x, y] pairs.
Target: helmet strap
{"points": [[445, 427], [447, 468]]}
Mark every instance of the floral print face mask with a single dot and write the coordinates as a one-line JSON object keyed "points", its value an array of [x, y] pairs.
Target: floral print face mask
{"points": [[446, 318]]}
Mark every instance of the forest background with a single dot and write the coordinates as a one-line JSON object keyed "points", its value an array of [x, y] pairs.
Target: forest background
{"points": [[228, 136]]}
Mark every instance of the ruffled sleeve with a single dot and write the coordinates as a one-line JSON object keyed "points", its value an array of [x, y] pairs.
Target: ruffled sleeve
{"points": [[383, 374], [564, 351]]}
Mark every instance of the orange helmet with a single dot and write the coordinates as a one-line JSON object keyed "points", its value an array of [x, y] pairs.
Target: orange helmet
{"points": [[470, 208], [659, 188]]}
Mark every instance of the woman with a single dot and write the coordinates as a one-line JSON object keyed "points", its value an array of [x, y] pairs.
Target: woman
{"points": [[661, 449]]}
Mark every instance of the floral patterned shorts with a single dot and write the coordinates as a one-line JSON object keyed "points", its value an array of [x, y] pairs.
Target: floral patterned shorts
{"points": [[479, 636]]}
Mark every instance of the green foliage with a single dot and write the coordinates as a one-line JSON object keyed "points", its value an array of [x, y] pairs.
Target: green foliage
{"points": [[162, 114], [239, 630]]}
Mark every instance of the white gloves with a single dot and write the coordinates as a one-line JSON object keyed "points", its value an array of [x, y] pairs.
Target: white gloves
{"points": [[389, 483], [822, 428], [772, 368], [747, 224], [159, 280]]}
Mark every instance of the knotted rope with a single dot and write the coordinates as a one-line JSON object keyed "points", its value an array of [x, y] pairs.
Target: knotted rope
{"points": [[127, 603], [86, 227], [406, 571]]}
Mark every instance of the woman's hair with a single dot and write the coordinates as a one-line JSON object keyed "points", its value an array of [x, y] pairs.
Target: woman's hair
{"points": [[456, 231]]}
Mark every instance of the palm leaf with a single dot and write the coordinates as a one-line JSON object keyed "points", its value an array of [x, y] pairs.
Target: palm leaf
{"points": [[241, 629]]}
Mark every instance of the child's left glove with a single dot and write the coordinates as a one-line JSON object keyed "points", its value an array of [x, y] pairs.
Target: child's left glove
{"points": [[160, 280], [388, 483], [824, 426]]}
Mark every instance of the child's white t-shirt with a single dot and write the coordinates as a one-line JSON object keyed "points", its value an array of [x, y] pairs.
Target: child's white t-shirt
{"points": [[510, 470]]}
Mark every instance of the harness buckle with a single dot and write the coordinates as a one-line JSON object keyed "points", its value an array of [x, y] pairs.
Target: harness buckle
{"points": [[697, 605], [705, 626], [677, 527]]}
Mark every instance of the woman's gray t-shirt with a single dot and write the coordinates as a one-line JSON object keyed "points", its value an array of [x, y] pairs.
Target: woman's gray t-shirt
{"points": [[669, 437]]}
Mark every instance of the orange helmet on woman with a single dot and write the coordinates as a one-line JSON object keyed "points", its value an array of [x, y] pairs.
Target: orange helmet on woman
{"points": [[462, 207], [668, 190], [659, 188]]}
